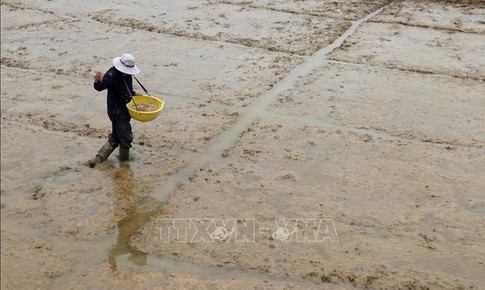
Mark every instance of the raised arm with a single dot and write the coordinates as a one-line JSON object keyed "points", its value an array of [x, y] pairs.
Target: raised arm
{"points": [[101, 81]]}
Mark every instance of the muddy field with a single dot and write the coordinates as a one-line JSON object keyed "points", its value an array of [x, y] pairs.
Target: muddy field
{"points": [[303, 145]]}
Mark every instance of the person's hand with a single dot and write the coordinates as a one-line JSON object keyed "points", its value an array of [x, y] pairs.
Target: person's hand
{"points": [[98, 76]]}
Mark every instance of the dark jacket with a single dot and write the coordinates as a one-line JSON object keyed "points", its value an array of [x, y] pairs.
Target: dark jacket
{"points": [[118, 95]]}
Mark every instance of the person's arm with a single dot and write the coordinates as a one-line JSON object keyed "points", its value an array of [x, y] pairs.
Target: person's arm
{"points": [[98, 81], [102, 82]]}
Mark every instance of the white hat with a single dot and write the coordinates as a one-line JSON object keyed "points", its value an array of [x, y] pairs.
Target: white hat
{"points": [[126, 64]]}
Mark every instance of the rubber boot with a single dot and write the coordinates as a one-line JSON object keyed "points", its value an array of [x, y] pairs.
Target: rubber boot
{"points": [[102, 155], [124, 153]]}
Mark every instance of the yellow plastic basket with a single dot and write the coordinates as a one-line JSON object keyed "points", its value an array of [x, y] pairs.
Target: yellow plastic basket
{"points": [[145, 116]]}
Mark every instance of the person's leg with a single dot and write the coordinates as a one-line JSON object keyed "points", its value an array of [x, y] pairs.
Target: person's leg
{"points": [[124, 153], [125, 137], [106, 150], [113, 137], [102, 155]]}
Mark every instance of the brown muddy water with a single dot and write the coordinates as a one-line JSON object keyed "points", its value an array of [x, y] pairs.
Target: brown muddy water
{"points": [[342, 142]]}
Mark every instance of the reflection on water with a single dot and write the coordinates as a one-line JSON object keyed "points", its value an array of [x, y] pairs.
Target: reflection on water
{"points": [[127, 228], [135, 212]]}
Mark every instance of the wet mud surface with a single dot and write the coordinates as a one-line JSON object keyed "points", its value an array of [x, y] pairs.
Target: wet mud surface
{"points": [[307, 150]]}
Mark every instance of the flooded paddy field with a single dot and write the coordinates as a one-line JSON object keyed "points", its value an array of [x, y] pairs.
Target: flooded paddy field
{"points": [[303, 145]]}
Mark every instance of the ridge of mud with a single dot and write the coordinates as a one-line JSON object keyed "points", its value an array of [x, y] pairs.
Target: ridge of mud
{"points": [[413, 136], [447, 29], [24, 26], [271, 7], [410, 70], [140, 25], [458, 3], [26, 65], [266, 43], [15, 63], [283, 10], [15, 6], [50, 122]]}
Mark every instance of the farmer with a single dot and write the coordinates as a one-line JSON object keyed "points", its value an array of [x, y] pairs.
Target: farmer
{"points": [[118, 81]]}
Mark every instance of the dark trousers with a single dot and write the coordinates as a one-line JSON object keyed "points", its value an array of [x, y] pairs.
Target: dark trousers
{"points": [[121, 134]]}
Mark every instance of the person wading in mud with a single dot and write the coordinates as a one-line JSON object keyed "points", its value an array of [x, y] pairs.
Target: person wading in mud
{"points": [[118, 81]]}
